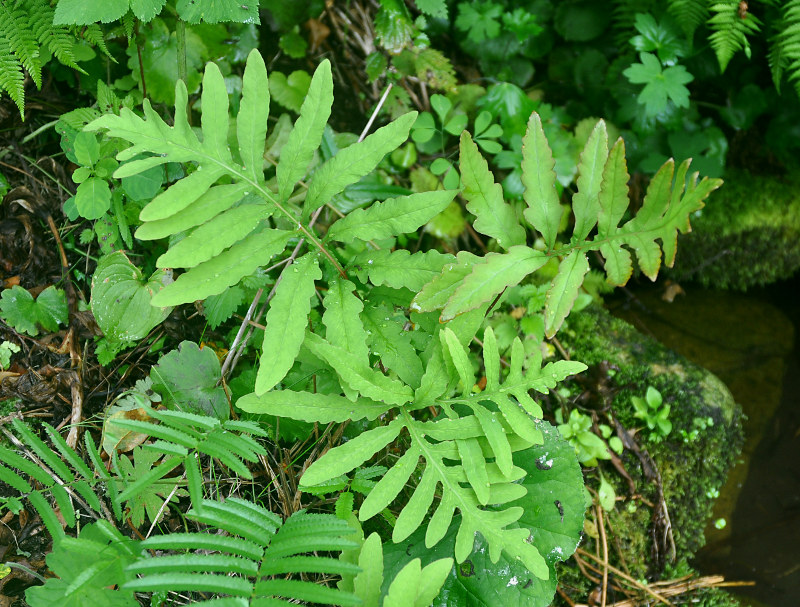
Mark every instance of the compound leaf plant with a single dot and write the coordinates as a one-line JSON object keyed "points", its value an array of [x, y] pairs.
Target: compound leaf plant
{"points": [[396, 328]]}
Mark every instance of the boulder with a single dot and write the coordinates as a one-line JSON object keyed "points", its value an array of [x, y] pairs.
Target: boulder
{"points": [[745, 236]]}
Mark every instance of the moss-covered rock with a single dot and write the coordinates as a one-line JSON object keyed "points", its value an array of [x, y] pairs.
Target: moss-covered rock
{"points": [[745, 236], [692, 464]]}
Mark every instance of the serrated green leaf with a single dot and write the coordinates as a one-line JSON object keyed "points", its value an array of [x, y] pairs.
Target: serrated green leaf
{"points": [[187, 379], [286, 321], [214, 276], [392, 217], [343, 324], [585, 202], [251, 121], [564, 290], [219, 308], [213, 11], [365, 380], [490, 277], [544, 211], [355, 161], [353, 453], [493, 216], [306, 135], [401, 269], [214, 236], [323, 408]]}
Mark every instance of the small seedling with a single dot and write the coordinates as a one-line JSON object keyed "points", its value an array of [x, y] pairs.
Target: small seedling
{"points": [[654, 413]]}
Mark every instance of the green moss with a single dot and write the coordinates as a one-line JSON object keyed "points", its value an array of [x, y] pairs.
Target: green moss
{"points": [[690, 470], [745, 236]]}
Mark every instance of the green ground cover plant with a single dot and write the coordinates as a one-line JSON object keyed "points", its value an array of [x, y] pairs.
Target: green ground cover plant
{"points": [[359, 330], [342, 318]]}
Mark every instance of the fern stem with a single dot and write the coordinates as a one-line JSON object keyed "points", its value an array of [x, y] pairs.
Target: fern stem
{"points": [[180, 38]]}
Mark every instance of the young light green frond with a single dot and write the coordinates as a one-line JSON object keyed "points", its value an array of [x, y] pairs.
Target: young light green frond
{"points": [[585, 202], [286, 321], [57, 39], [351, 454], [355, 161], [210, 239], [311, 407], [214, 116], [251, 121], [563, 292], [392, 217], [493, 216], [306, 135], [539, 178], [214, 276], [438, 291], [415, 586], [490, 277]]}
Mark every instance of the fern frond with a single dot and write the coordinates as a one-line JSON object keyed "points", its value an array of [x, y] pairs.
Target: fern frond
{"points": [[12, 80], [93, 34], [600, 202], [468, 453], [688, 14], [240, 564], [15, 27], [784, 54], [57, 38], [730, 30]]}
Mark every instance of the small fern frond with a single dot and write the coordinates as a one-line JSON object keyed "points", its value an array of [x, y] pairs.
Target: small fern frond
{"points": [[730, 30], [93, 34], [240, 564], [180, 432], [688, 14], [16, 28], [12, 80], [56, 38], [784, 54]]}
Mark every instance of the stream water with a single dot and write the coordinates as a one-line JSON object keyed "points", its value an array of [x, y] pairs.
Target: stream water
{"points": [[748, 341]]}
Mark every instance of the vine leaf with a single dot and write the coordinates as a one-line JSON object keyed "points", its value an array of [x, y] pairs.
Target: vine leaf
{"points": [[286, 321]]}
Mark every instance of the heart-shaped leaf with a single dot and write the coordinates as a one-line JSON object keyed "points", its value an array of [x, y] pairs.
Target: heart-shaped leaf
{"points": [[121, 298]]}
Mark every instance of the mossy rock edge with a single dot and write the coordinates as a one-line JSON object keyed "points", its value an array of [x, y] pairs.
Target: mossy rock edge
{"points": [[690, 471], [745, 236]]}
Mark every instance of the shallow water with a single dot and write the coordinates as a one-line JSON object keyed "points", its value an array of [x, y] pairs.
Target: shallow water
{"points": [[748, 342]]}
